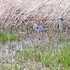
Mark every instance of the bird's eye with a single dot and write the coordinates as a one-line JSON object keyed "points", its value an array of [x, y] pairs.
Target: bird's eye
{"points": [[37, 27]]}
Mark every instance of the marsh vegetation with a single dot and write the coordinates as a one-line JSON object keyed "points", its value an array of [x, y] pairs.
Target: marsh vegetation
{"points": [[45, 46], [22, 54]]}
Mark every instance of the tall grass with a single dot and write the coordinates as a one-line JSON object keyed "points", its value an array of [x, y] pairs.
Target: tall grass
{"points": [[59, 59], [64, 55], [56, 58], [5, 37]]}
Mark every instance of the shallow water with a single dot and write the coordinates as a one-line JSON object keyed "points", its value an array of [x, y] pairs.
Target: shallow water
{"points": [[10, 48]]}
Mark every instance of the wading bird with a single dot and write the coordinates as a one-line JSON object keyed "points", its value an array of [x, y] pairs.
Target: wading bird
{"points": [[60, 24], [39, 28]]}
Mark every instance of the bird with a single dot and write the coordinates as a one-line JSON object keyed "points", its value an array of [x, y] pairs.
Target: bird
{"points": [[60, 24], [39, 28]]}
